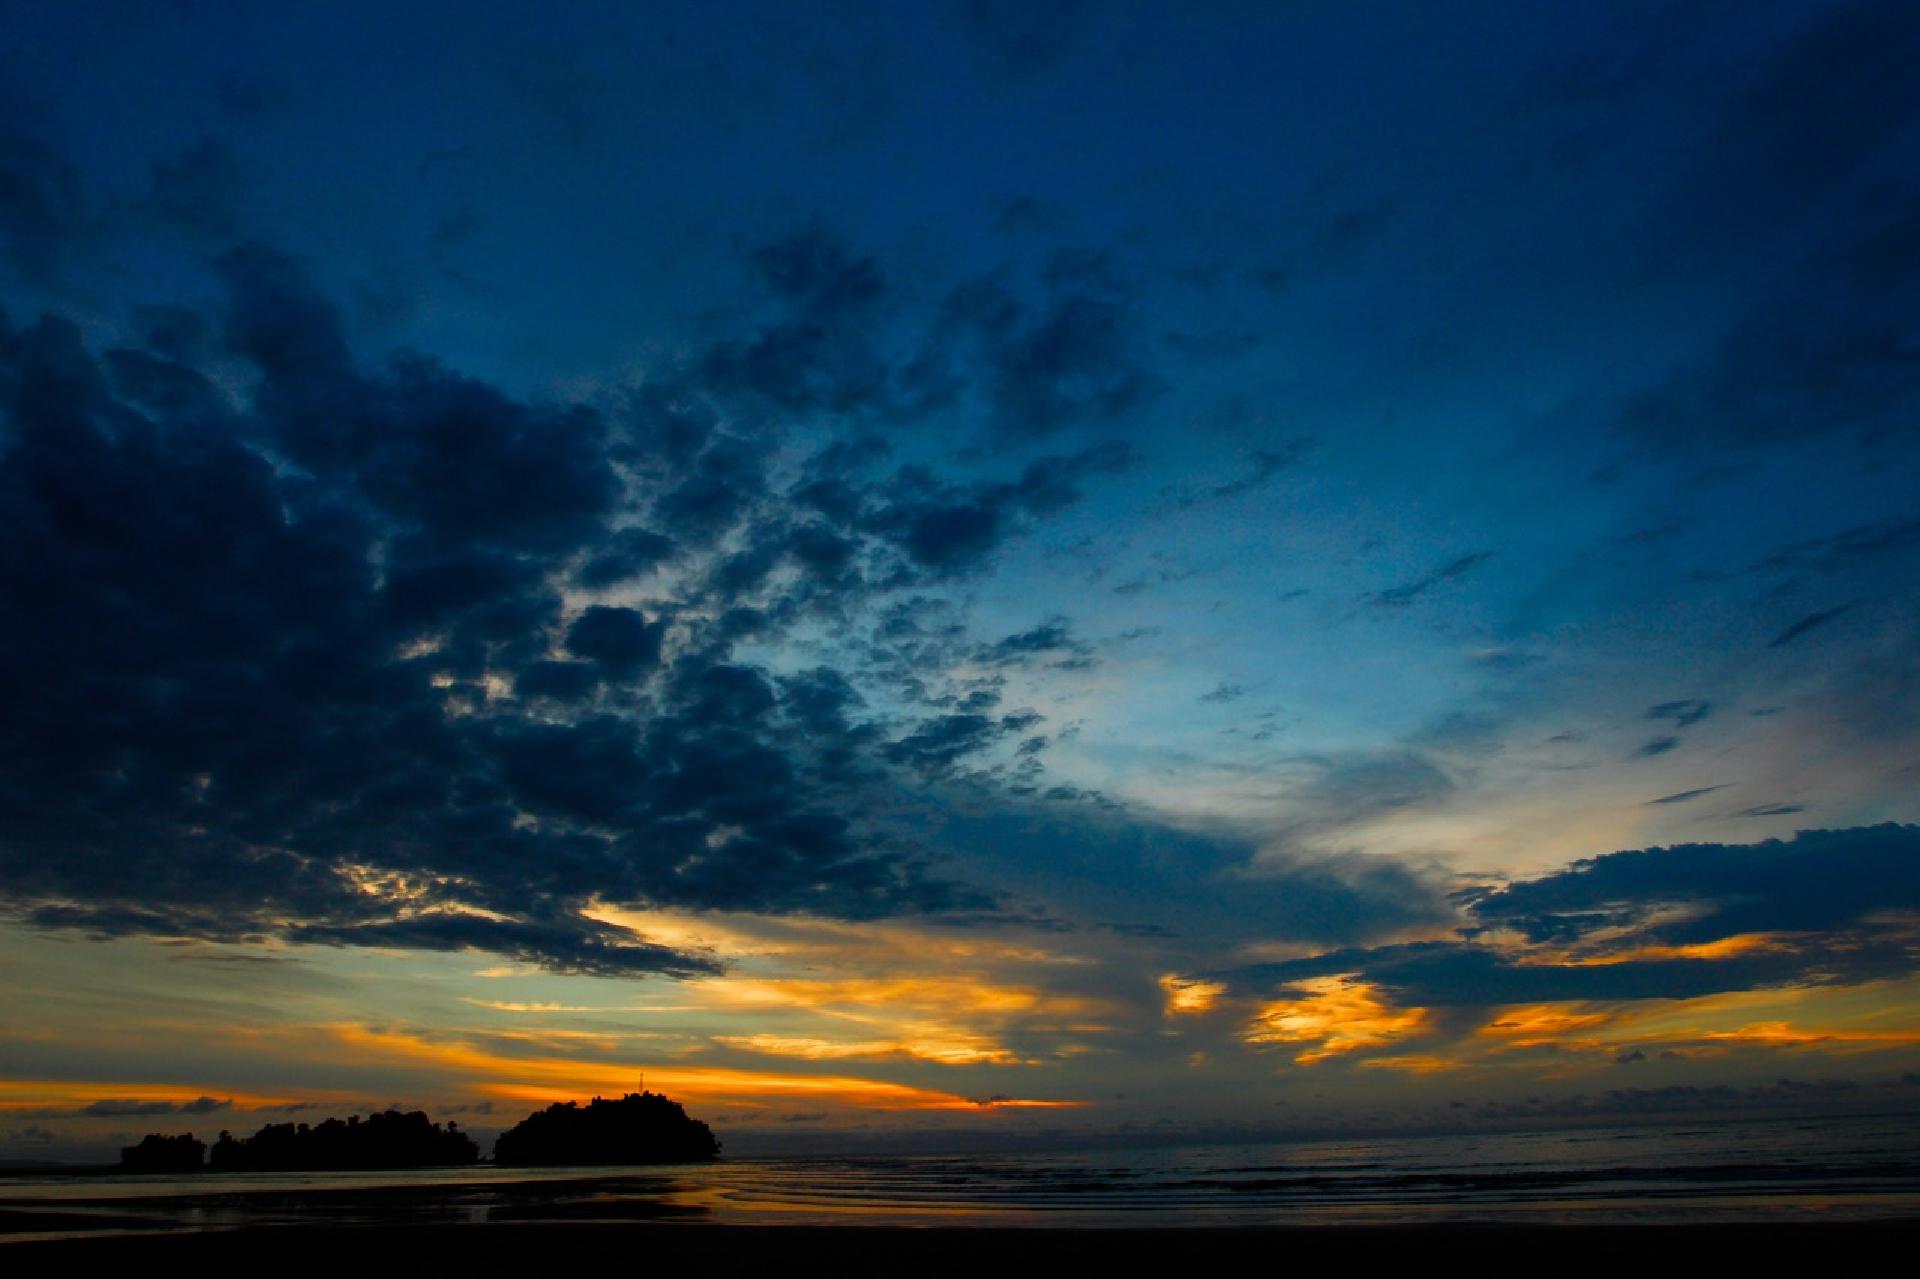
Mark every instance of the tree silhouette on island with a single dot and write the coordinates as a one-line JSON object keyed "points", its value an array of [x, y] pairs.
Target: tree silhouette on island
{"points": [[390, 1139], [639, 1128], [157, 1153]]}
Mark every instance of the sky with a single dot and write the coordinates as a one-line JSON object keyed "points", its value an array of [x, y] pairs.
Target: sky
{"points": [[965, 573]]}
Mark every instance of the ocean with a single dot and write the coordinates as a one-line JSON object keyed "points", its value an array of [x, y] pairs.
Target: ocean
{"points": [[1839, 1169]]}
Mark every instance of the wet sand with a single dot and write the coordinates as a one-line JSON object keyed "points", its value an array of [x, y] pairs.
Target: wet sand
{"points": [[711, 1250]]}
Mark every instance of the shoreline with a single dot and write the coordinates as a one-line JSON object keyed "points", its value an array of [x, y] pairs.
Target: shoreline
{"points": [[891, 1250], [598, 1199]]}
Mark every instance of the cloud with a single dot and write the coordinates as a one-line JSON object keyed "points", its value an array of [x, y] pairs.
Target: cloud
{"points": [[1811, 622], [1264, 466], [116, 1108], [42, 206], [1052, 639], [564, 944], [948, 529], [1685, 796], [621, 640], [1469, 975], [1337, 898], [1671, 1099], [1681, 922], [1794, 132], [940, 743], [1817, 167], [1819, 881], [1407, 592], [1014, 40], [820, 350], [1069, 357], [625, 555], [1772, 810], [1330, 802], [307, 664], [198, 187], [1022, 352], [1825, 355], [243, 96], [1682, 714], [1862, 541]]}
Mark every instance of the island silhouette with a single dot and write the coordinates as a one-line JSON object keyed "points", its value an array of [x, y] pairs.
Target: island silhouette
{"points": [[389, 1139], [639, 1128], [157, 1153]]}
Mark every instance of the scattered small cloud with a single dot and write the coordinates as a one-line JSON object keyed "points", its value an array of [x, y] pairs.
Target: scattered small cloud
{"points": [[1685, 796]]}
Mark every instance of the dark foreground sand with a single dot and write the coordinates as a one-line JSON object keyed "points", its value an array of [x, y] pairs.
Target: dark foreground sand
{"points": [[550, 1250]]}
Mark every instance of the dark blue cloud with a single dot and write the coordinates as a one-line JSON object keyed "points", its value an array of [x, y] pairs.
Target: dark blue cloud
{"points": [[284, 647], [1828, 887], [1463, 974], [1071, 357], [1682, 714], [1836, 550], [1816, 144], [822, 351], [199, 187], [651, 580], [1812, 120], [1818, 881], [627, 554], [947, 529], [621, 640], [42, 205], [1811, 622], [1223, 693], [1407, 592], [1015, 40], [939, 743]]}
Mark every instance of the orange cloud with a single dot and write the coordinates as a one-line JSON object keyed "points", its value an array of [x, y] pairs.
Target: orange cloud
{"points": [[1187, 995], [1723, 948], [859, 946], [1529, 1025], [1780, 1034], [559, 1078], [864, 997], [40, 1094], [1339, 1015], [1414, 1064], [945, 1049], [1826, 1018]]}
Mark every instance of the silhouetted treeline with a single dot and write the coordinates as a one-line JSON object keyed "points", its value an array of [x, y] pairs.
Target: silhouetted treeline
{"points": [[157, 1153], [640, 1128], [391, 1139]]}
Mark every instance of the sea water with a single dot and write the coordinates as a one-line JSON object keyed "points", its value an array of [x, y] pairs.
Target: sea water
{"points": [[1852, 1169]]}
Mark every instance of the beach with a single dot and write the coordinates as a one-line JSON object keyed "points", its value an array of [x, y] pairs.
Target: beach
{"points": [[1729, 1194], [709, 1250]]}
